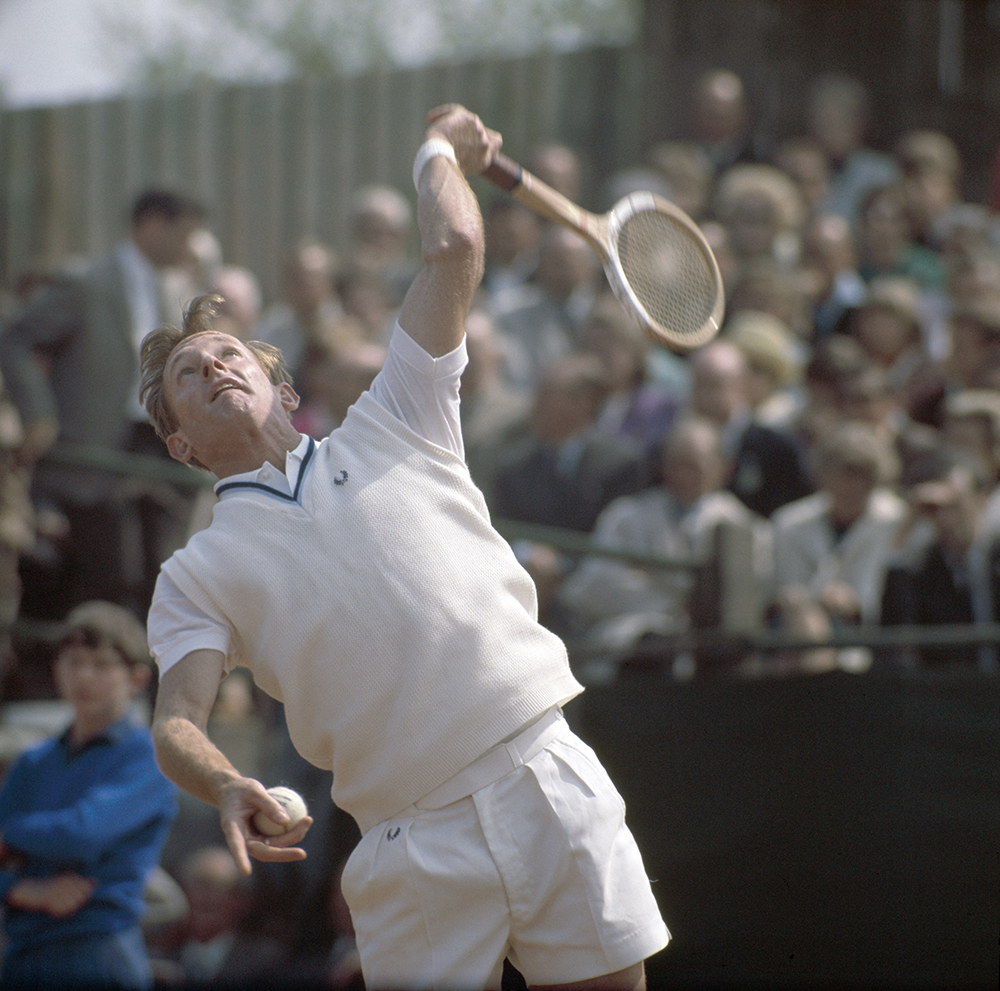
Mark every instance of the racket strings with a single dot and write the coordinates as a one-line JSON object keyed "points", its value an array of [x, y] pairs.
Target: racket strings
{"points": [[667, 272]]}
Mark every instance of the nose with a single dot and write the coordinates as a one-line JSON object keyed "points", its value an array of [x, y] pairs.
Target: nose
{"points": [[211, 363]]}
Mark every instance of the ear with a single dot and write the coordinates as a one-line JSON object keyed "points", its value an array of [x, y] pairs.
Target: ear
{"points": [[289, 397], [179, 447]]}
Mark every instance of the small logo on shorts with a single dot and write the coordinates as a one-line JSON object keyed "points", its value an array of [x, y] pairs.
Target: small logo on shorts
{"points": [[392, 834]]}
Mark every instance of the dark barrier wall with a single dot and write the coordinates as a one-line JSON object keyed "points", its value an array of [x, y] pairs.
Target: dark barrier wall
{"points": [[824, 831]]}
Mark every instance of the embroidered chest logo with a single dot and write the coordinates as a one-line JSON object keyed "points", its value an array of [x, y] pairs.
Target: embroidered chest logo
{"points": [[392, 834], [342, 479]]}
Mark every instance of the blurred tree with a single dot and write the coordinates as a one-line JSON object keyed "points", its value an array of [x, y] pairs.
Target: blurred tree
{"points": [[192, 40]]}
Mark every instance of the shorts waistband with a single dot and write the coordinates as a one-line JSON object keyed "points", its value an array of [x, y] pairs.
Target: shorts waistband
{"points": [[495, 763]]}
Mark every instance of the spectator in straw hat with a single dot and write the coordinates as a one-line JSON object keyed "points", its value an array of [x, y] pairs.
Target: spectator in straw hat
{"points": [[774, 366], [83, 818]]}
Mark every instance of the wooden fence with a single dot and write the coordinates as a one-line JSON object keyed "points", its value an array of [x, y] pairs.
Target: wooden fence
{"points": [[276, 163]]}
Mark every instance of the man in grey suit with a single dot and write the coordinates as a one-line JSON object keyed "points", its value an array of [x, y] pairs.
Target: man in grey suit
{"points": [[69, 357]]}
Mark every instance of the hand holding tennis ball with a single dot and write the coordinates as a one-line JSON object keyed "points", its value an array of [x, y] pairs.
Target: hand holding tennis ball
{"points": [[292, 803]]}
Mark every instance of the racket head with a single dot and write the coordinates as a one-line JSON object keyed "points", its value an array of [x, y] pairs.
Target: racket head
{"points": [[663, 271]]}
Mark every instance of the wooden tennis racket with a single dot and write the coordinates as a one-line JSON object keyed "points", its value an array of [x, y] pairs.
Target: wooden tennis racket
{"points": [[657, 261]]}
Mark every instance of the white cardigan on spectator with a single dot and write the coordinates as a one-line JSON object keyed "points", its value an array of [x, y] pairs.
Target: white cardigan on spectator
{"points": [[619, 602], [807, 554]]}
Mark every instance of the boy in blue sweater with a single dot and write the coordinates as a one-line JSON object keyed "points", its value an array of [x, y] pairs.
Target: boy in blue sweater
{"points": [[83, 818]]}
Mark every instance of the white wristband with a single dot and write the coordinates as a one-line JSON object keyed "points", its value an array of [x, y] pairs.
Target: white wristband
{"points": [[428, 150]]}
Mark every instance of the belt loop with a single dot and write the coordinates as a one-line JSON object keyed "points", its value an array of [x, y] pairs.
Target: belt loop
{"points": [[515, 755]]}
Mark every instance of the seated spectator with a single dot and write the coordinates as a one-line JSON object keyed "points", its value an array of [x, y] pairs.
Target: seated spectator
{"points": [[973, 360], [767, 468], [540, 321], [838, 116], [828, 273], [835, 543], [764, 286], [309, 303], [889, 326], [931, 167], [493, 415], [559, 166], [975, 342], [613, 604], [211, 945], [835, 360], [886, 245], [764, 212], [688, 173], [637, 410], [972, 425], [335, 374], [369, 301], [513, 233], [721, 120], [381, 225], [192, 276], [773, 366], [240, 309], [867, 397], [804, 160], [955, 577], [968, 229], [564, 472]]}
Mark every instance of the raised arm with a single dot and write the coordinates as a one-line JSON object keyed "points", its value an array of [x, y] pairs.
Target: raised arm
{"points": [[451, 230], [188, 757]]}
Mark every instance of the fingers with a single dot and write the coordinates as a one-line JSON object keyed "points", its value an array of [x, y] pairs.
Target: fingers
{"points": [[246, 842], [281, 848], [475, 144], [236, 840], [271, 854], [438, 112]]}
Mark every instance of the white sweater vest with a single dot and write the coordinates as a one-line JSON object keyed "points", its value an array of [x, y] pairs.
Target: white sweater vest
{"points": [[382, 608]]}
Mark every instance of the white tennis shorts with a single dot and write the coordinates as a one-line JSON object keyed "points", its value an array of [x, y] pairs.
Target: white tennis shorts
{"points": [[536, 865]]}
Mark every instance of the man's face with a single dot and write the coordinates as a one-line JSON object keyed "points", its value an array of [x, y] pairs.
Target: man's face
{"points": [[691, 469], [717, 391], [218, 393], [168, 241], [849, 489]]}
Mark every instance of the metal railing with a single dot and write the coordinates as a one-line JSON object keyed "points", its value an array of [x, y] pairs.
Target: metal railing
{"points": [[704, 642]]}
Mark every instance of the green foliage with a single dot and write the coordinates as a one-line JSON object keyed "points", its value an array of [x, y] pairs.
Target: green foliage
{"points": [[264, 40]]}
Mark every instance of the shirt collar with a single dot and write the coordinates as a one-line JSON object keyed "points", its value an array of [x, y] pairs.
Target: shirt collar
{"points": [[271, 476], [113, 734]]}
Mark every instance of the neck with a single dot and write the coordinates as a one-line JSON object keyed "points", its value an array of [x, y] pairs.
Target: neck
{"points": [[254, 452], [82, 731]]}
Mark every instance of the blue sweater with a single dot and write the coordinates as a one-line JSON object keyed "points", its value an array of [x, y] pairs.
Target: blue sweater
{"points": [[103, 812]]}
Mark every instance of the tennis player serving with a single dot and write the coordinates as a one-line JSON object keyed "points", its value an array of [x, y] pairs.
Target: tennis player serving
{"points": [[360, 581]]}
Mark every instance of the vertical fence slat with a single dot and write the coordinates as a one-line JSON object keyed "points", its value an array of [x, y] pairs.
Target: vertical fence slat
{"points": [[272, 164]]}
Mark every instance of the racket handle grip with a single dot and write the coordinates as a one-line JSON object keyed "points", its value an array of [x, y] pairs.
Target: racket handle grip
{"points": [[503, 172]]}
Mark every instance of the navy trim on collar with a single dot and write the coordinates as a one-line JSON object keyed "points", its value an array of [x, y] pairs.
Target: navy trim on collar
{"points": [[294, 497]]}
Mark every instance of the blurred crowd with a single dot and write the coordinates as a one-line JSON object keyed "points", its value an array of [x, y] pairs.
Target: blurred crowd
{"points": [[831, 460]]}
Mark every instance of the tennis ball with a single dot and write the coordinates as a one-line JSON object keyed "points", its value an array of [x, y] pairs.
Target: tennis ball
{"points": [[292, 803]]}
